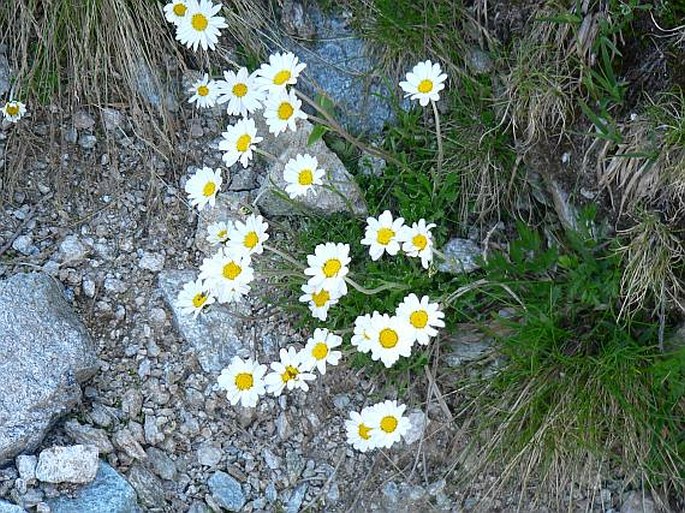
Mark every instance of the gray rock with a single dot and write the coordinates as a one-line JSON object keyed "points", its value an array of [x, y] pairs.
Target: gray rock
{"points": [[340, 64], [270, 492], [478, 60], [5, 74], [72, 250], [460, 256], [108, 493], [216, 335], [370, 165], [153, 435], [150, 87], [161, 464], [82, 120], [39, 336], [272, 461], [226, 491], [75, 464], [638, 501], [8, 507], [467, 343], [209, 454], [417, 426], [87, 141], [26, 466], [148, 486], [272, 199], [70, 134], [24, 244], [132, 403], [296, 498], [152, 261], [124, 440], [295, 20], [88, 435], [226, 209]]}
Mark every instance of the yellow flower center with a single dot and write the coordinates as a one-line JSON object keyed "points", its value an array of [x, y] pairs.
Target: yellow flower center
{"points": [[243, 143], [419, 241], [364, 431], [209, 189], [199, 299], [331, 267], [389, 424], [320, 351], [384, 236], [285, 110], [231, 271], [282, 77], [305, 177], [244, 381], [425, 86], [239, 89], [12, 109], [251, 240], [321, 298], [290, 373], [388, 338], [203, 90], [180, 9], [419, 319], [222, 234], [199, 22]]}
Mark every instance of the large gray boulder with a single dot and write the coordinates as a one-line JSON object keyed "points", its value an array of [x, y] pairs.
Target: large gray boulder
{"points": [[108, 493], [8, 507], [45, 351]]}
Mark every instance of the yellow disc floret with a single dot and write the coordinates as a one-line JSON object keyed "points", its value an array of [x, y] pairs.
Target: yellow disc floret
{"points": [[321, 298], [332, 267], [244, 381], [209, 189], [239, 89], [419, 241], [199, 22], [305, 177], [285, 111], [231, 271], [425, 86], [320, 351], [384, 236], [243, 143], [282, 77], [180, 9], [389, 424], [388, 338], [289, 373], [199, 299]]}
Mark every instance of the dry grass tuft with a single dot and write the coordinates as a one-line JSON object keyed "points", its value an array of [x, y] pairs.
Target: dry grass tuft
{"points": [[653, 262]]}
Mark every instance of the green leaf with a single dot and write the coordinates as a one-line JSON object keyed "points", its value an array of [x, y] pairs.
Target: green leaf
{"points": [[317, 133], [327, 105]]}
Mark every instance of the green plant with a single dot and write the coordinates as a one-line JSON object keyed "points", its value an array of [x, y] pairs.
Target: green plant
{"points": [[578, 391]]}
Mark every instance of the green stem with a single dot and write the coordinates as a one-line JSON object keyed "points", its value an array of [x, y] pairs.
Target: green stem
{"points": [[284, 256], [437, 175], [371, 292]]}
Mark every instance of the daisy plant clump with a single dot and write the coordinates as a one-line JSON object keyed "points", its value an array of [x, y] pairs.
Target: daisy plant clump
{"points": [[226, 276], [13, 111]]}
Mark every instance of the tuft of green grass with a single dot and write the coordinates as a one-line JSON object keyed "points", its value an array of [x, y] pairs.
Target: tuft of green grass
{"points": [[579, 394]]}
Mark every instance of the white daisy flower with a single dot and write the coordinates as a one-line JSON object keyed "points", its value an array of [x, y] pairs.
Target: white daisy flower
{"points": [[382, 235], [243, 381], [281, 71], [194, 297], [358, 428], [387, 423], [362, 332], [13, 111], [320, 299], [217, 233], [203, 186], [288, 373], [200, 26], [390, 339], [328, 266], [301, 174], [238, 142], [241, 93], [248, 237], [424, 82], [417, 241], [317, 353], [422, 317], [228, 275], [282, 112], [175, 11], [204, 93]]}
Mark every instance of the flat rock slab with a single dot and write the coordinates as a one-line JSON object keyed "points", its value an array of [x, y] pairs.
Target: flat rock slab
{"points": [[8, 507], [75, 464], [340, 64], [216, 334], [108, 493], [340, 192], [226, 491], [461, 256], [45, 351]]}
